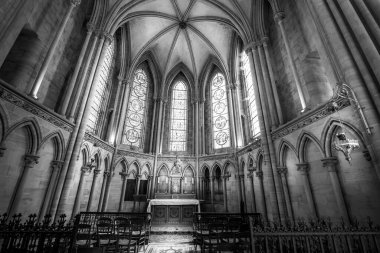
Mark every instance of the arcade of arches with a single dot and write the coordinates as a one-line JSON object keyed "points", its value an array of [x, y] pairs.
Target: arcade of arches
{"points": [[265, 106]]}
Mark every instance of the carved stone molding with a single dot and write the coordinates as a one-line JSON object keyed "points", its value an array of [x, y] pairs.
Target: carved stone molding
{"points": [[34, 108], [98, 142], [216, 157], [75, 3], [30, 160], [252, 146], [310, 118], [85, 169], [303, 168], [57, 164], [121, 153], [330, 163], [282, 170], [259, 174]]}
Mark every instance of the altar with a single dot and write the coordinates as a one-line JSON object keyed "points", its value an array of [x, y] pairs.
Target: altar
{"points": [[173, 211]]}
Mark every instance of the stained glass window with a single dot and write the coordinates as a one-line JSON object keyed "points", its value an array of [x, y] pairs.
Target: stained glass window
{"points": [[134, 122], [252, 110], [178, 117], [221, 126], [99, 102]]}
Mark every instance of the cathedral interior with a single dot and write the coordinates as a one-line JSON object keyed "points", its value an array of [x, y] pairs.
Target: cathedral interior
{"points": [[269, 107]]}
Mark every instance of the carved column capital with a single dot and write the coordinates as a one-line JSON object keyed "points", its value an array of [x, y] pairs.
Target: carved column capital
{"points": [[259, 174], [282, 170], [85, 170], [279, 16], [96, 172], [30, 160], [2, 150], [330, 163], [106, 174], [56, 164], [123, 175], [303, 168], [90, 27], [75, 3]]}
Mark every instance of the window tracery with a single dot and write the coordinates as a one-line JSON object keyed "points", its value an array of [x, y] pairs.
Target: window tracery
{"points": [[220, 118], [178, 117], [134, 123]]}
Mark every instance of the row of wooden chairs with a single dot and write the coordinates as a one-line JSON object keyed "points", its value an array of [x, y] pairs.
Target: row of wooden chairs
{"points": [[114, 235], [228, 234]]}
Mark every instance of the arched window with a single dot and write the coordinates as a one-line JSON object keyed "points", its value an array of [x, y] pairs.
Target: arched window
{"points": [[98, 108], [134, 123], [252, 110], [178, 117], [220, 118]]}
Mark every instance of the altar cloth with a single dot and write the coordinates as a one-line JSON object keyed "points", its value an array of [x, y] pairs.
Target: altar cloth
{"points": [[173, 202]]}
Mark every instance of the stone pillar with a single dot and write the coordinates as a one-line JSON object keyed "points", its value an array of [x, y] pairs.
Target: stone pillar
{"points": [[279, 18], [151, 148], [73, 149], [112, 124], [237, 113], [106, 193], [304, 169], [330, 163], [74, 77], [29, 162], [212, 191], [85, 170], [106, 174], [231, 115], [268, 87], [162, 127], [150, 178], [46, 203], [225, 199], [53, 46], [93, 187], [138, 178], [202, 135], [123, 112], [259, 175], [78, 91], [124, 176], [272, 81], [251, 176], [200, 180], [283, 171]]}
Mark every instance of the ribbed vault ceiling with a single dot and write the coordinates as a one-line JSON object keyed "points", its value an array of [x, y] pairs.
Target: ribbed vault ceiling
{"points": [[184, 31]]}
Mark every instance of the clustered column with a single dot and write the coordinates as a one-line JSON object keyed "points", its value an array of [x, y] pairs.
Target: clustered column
{"points": [[283, 171], [330, 163], [29, 162], [124, 176], [304, 169], [259, 175], [106, 174], [251, 177], [85, 170], [93, 187]]}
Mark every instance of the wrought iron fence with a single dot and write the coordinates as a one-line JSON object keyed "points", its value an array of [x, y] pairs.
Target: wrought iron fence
{"points": [[30, 235], [315, 236]]}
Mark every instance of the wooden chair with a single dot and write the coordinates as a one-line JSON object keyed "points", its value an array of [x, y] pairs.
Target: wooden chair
{"points": [[123, 232], [105, 234], [83, 237], [215, 238], [139, 232]]}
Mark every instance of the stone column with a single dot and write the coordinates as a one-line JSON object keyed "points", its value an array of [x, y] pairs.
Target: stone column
{"points": [[279, 18], [52, 49], [138, 178], [212, 191], [304, 169], [268, 88], [259, 175], [112, 124], [225, 199], [150, 178], [46, 203], [106, 174], [202, 135], [231, 116], [124, 176], [106, 193], [200, 180], [78, 91], [85, 170], [163, 126], [74, 77], [29, 162], [251, 176], [237, 113], [283, 171], [73, 149], [123, 112], [330, 163], [151, 148], [272, 81], [93, 187]]}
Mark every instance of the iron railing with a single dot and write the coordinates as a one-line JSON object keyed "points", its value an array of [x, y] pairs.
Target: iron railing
{"points": [[315, 236]]}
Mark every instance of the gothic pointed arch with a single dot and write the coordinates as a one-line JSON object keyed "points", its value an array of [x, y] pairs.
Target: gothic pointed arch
{"points": [[33, 130], [303, 138], [282, 148], [179, 71], [137, 164], [59, 144], [214, 167], [123, 162]]}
